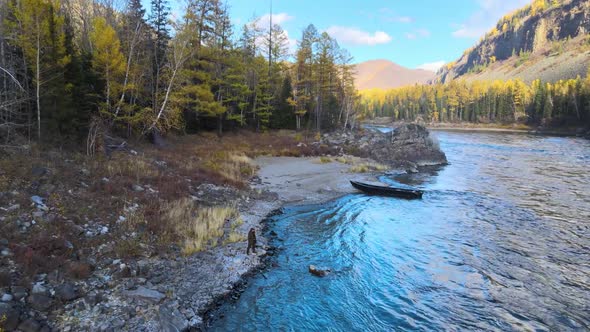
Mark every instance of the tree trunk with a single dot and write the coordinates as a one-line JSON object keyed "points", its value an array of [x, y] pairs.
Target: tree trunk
{"points": [[38, 83]]}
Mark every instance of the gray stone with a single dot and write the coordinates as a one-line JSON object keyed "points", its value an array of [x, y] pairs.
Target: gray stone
{"points": [[30, 325], [137, 188], [117, 323], [12, 315], [37, 200], [7, 297], [143, 267], [146, 294], [18, 292], [171, 320], [38, 214], [38, 288], [13, 207], [40, 302], [66, 292]]}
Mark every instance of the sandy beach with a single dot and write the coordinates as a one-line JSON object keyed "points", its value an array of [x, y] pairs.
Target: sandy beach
{"points": [[306, 180]]}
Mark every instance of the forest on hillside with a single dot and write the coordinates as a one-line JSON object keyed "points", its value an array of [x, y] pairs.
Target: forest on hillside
{"points": [[564, 103], [73, 70]]}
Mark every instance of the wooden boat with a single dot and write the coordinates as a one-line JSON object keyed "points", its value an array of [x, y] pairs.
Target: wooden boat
{"points": [[387, 191]]}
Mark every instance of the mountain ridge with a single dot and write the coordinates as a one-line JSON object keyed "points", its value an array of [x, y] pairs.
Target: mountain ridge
{"points": [[386, 74], [545, 40]]}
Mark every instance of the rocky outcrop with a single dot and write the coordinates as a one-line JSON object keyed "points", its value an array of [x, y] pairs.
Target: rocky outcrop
{"points": [[527, 31], [408, 146]]}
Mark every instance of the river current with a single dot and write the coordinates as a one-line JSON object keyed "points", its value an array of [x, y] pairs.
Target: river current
{"points": [[500, 241]]}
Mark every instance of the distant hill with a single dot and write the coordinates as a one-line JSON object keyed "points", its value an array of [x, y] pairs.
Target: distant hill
{"points": [[545, 40], [384, 74]]}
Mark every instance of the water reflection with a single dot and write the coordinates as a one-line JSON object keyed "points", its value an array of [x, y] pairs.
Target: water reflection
{"points": [[499, 242]]}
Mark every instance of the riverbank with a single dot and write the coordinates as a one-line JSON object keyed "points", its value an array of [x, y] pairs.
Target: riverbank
{"points": [[141, 239], [492, 127], [120, 255], [151, 238]]}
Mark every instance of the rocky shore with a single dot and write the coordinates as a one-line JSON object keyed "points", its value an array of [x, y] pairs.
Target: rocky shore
{"points": [[407, 147], [169, 291]]}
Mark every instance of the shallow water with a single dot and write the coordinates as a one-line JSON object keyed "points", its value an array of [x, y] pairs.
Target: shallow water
{"points": [[501, 241]]}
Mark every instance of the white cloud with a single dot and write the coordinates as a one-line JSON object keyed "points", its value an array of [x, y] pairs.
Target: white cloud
{"points": [[403, 19], [418, 33], [489, 12], [355, 36], [279, 19], [432, 66], [389, 15]]}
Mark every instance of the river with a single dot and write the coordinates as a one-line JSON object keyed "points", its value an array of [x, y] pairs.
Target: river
{"points": [[501, 241]]}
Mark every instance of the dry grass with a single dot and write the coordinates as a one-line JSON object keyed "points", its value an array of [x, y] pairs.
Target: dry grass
{"points": [[198, 228], [99, 189], [233, 166], [325, 160], [234, 237], [368, 167]]}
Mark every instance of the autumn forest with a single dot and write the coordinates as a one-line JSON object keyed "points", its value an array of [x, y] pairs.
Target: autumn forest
{"points": [[73, 68]]}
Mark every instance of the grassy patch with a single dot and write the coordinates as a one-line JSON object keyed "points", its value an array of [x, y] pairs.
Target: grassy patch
{"points": [[368, 167], [325, 160], [234, 237], [198, 228]]}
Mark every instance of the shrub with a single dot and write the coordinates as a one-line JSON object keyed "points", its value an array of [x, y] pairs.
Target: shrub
{"points": [[325, 160]]}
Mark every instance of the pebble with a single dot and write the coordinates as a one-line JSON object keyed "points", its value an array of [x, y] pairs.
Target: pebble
{"points": [[7, 298], [104, 230], [37, 200], [5, 252], [137, 188]]}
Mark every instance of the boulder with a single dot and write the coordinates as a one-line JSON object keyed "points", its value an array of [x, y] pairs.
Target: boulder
{"points": [[18, 292], [319, 272], [171, 320], [146, 294], [66, 292], [29, 325], [406, 146], [12, 315], [40, 302]]}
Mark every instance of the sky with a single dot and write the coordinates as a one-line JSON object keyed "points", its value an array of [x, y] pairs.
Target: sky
{"points": [[412, 33]]}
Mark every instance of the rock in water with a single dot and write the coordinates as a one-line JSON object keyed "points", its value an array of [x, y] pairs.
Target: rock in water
{"points": [[408, 145], [318, 272]]}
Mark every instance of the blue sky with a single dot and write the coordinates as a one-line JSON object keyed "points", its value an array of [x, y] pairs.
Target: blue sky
{"points": [[412, 33]]}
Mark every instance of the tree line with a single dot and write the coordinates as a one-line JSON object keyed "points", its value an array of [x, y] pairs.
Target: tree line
{"points": [[72, 69], [565, 102]]}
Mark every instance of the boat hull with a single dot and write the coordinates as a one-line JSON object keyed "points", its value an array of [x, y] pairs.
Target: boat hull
{"points": [[387, 191]]}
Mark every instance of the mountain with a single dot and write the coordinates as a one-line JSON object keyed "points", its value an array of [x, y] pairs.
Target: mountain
{"points": [[546, 40], [385, 74]]}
